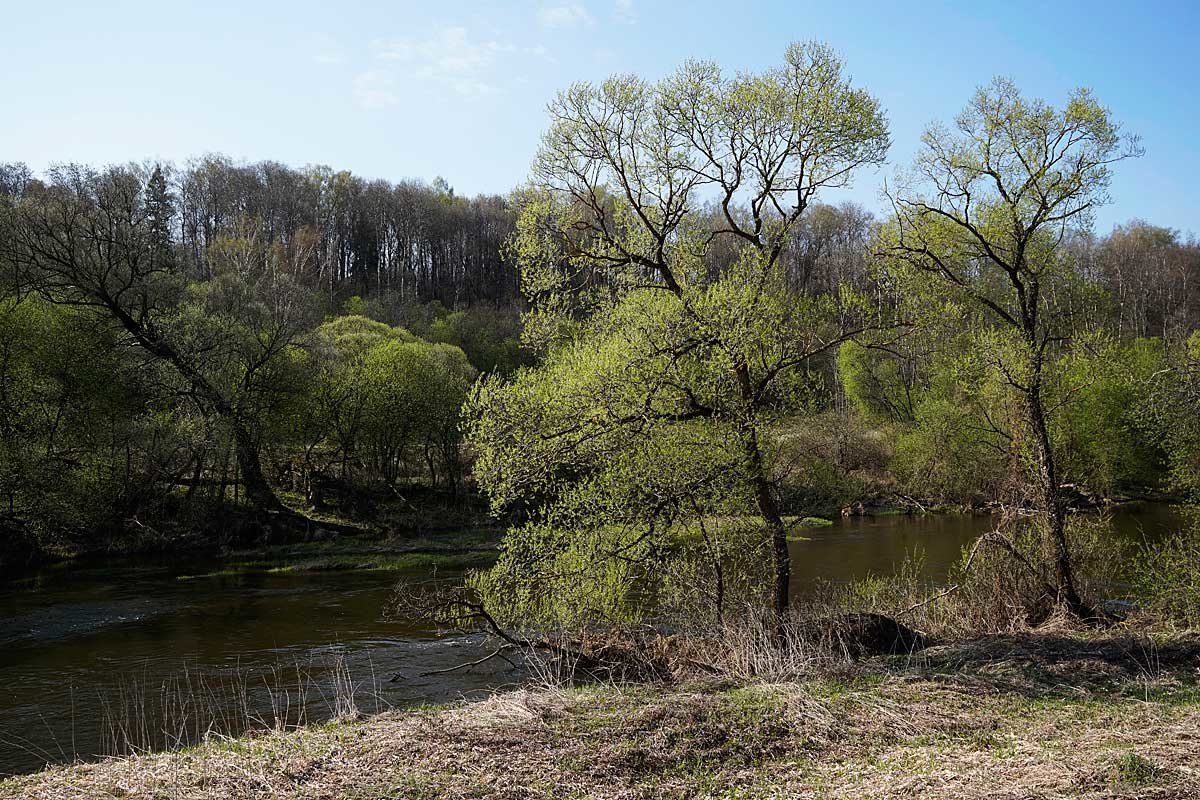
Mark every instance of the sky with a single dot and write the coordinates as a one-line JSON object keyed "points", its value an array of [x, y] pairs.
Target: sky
{"points": [[400, 90]]}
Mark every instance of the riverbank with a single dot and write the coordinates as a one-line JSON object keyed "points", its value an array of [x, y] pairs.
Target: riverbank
{"points": [[433, 530], [1033, 715], [390, 531]]}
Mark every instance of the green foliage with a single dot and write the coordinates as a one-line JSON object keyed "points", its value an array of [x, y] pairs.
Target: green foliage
{"points": [[599, 441], [354, 334], [652, 407], [66, 420], [490, 339], [967, 437], [550, 577], [412, 395], [1100, 431], [382, 399], [958, 447], [1169, 408], [825, 461], [873, 384], [1166, 576], [1001, 582], [983, 217], [354, 306]]}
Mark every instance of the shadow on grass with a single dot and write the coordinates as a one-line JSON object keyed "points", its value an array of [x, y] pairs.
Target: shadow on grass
{"points": [[1050, 665]]}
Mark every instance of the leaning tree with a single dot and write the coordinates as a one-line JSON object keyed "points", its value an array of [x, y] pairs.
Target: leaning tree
{"points": [[101, 241]]}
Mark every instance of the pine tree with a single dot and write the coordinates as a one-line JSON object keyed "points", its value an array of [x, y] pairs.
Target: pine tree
{"points": [[160, 209]]}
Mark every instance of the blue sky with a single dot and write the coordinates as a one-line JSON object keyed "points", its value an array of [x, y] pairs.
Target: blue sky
{"points": [[415, 90]]}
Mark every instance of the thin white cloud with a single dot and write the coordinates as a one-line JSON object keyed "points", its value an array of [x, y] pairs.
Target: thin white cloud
{"points": [[624, 12], [375, 88], [604, 56], [449, 57], [540, 53], [324, 49], [564, 15]]}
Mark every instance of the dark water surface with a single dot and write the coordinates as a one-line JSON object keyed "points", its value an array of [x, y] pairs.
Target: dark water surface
{"points": [[857, 546], [93, 660]]}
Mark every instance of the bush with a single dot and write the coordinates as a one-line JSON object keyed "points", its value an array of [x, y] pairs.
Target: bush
{"points": [[1102, 441], [714, 573], [959, 448], [826, 461], [1166, 577], [997, 586]]}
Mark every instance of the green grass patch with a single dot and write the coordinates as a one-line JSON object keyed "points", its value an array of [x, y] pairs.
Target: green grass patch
{"points": [[377, 562], [1132, 769]]}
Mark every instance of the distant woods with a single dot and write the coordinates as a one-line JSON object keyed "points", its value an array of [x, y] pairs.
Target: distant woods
{"points": [[354, 241]]}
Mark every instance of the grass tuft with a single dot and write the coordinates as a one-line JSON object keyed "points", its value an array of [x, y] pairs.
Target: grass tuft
{"points": [[1132, 769]]}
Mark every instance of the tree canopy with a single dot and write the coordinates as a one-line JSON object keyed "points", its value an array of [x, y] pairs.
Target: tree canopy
{"points": [[653, 362]]}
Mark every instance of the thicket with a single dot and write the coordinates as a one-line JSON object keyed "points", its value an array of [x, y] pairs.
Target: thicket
{"points": [[180, 350]]}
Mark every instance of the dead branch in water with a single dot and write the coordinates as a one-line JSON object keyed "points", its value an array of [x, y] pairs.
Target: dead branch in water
{"points": [[458, 608]]}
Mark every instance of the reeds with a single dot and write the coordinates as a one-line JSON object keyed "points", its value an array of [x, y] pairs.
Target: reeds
{"points": [[140, 715]]}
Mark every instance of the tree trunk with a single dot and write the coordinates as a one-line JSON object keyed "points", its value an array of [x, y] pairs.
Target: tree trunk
{"points": [[769, 510], [765, 499], [1052, 504], [197, 474], [258, 491]]}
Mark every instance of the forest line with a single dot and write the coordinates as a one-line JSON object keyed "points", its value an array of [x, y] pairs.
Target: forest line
{"points": [[235, 238]]}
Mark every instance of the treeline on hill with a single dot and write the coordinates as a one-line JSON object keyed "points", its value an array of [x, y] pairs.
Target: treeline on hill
{"points": [[177, 342]]}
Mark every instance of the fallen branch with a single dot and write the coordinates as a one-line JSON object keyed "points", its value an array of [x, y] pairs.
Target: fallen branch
{"points": [[498, 653], [459, 609], [951, 589]]}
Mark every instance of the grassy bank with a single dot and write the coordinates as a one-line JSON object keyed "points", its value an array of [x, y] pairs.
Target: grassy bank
{"points": [[366, 552], [1035, 715], [438, 533]]}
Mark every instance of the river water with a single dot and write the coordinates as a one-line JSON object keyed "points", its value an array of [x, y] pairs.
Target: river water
{"points": [[96, 661]]}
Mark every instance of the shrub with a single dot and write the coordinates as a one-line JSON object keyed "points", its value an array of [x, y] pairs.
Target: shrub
{"points": [[997, 586], [1166, 577], [825, 461], [1102, 441]]}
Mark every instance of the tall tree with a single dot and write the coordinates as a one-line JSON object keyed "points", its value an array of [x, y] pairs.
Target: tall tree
{"points": [[613, 241], [984, 216], [160, 213]]}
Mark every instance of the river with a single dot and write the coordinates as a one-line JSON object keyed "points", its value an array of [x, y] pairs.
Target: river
{"points": [[98, 660]]}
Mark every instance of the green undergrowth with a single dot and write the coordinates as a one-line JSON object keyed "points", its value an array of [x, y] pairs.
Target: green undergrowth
{"points": [[363, 562]]}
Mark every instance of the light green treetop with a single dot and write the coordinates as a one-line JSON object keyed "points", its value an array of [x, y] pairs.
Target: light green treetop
{"points": [[662, 367]]}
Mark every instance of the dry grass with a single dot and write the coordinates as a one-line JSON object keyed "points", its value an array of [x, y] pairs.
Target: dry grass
{"points": [[1034, 715]]}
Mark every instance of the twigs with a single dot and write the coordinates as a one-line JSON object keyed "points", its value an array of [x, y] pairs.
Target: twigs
{"points": [[499, 652], [951, 589], [459, 608]]}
